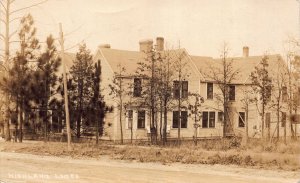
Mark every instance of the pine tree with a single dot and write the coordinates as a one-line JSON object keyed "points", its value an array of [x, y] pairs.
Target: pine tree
{"points": [[82, 80], [45, 80], [97, 101]]}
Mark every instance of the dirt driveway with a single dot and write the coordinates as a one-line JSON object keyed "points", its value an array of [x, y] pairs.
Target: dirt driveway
{"points": [[16, 167]]}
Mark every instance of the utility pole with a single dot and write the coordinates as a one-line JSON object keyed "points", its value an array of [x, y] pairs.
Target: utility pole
{"points": [[298, 19], [65, 87], [6, 38]]}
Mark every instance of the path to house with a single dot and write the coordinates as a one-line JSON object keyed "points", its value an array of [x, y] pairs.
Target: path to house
{"points": [[17, 167]]}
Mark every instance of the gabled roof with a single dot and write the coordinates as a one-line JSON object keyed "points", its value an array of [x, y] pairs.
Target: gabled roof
{"points": [[130, 59], [244, 65], [127, 59], [200, 64]]}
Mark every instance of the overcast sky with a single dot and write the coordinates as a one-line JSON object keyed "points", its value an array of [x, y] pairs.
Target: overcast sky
{"points": [[201, 26]]}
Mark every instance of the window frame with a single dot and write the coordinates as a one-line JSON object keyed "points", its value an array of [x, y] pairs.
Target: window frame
{"points": [[242, 120], [184, 89], [137, 87], [180, 89], [221, 114], [176, 89], [184, 119], [143, 117], [231, 96], [207, 119], [209, 91], [212, 123]]}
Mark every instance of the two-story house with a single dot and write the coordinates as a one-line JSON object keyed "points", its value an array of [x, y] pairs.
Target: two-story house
{"points": [[123, 63]]}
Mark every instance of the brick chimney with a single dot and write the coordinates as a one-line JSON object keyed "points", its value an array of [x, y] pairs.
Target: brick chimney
{"points": [[160, 44], [245, 51], [146, 45]]}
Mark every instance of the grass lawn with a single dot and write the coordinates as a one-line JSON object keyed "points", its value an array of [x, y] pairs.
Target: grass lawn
{"points": [[256, 153]]}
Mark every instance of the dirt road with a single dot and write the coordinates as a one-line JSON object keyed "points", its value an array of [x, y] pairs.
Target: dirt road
{"points": [[15, 167]]}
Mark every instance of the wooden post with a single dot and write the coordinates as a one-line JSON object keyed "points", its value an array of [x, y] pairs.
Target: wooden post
{"points": [[65, 87]]}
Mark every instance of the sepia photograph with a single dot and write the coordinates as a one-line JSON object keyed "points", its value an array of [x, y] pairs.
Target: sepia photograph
{"points": [[149, 91]]}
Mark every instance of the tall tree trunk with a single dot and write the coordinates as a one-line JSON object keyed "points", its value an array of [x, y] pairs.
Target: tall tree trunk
{"points": [[160, 124], [17, 122], [247, 118], [121, 107], [21, 112], [284, 132], [78, 124], [262, 121], [97, 126], [121, 127], [131, 132], [46, 119], [278, 120], [179, 118], [165, 124], [6, 62], [79, 110]]}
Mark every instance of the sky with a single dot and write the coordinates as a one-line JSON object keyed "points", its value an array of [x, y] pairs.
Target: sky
{"points": [[200, 26]]}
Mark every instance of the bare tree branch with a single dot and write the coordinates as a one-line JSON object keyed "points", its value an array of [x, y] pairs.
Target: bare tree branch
{"points": [[12, 34], [1, 37], [17, 18], [27, 7], [3, 5], [1, 20]]}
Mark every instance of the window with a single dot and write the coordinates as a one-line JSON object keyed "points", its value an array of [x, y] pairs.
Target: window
{"points": [[241, 119], [208, 119], [141, 119], [176, 89], [231, 92], [220, 116], [184, 119], [284, 94], [184, 89], [210, 90], [130, 118], [268, 119], [204, 119], [283, 119], [212, 119], [137, 87]]}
